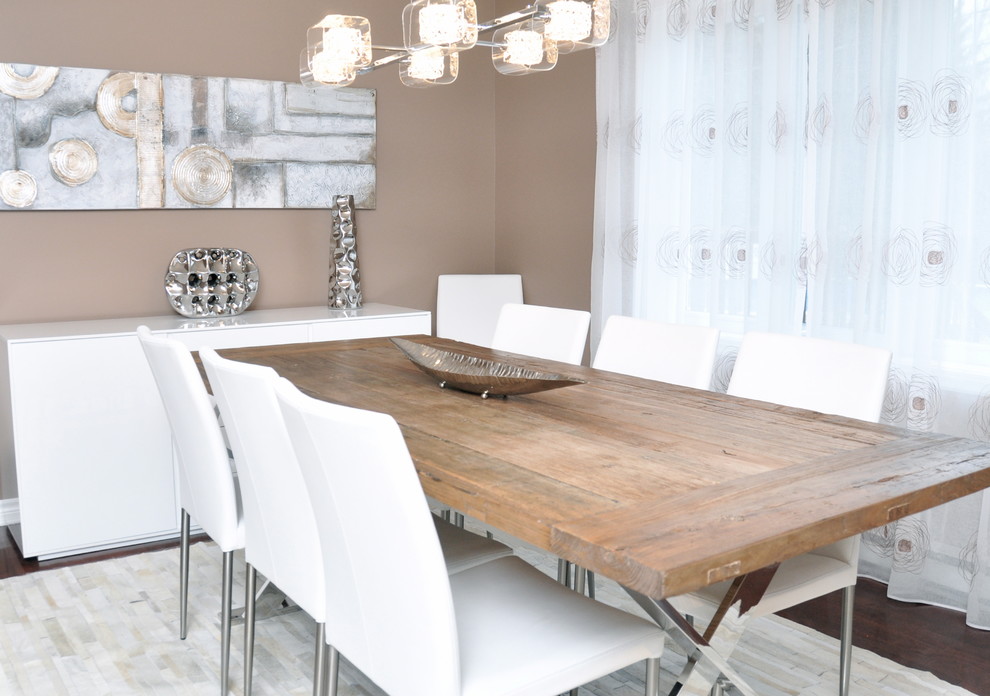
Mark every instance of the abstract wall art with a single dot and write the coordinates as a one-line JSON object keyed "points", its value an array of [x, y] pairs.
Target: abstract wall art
{"points": [[79, 138]]}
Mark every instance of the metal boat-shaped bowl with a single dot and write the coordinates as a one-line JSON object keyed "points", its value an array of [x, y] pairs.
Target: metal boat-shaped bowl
{"points": [[477, 375]]}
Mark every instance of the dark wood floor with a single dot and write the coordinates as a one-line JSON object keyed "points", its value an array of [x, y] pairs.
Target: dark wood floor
{"points": [[927, 638]]}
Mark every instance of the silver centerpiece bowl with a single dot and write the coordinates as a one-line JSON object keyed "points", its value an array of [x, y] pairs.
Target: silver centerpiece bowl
{"points": [[478, 375]]}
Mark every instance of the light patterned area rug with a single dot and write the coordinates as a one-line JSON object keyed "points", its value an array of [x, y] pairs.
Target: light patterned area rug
{"points": [[112, 628]]}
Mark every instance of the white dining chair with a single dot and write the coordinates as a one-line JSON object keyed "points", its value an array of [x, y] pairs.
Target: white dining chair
{"points": [[281, 536], [674, 353], [208, 487], [551, 333], [831, 377], [679, 354], [468, 304], [501, 627], [280, 530]]}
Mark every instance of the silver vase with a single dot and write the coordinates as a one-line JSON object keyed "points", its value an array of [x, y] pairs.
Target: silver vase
{"points": [[345, 278]]}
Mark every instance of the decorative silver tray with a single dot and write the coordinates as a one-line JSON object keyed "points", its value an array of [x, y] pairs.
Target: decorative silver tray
{"points": [[477, 375]]}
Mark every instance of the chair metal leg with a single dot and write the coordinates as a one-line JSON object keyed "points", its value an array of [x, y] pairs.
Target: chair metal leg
{"points": [[333, 667], [184, 575], [652, 676], [845, 637], [228, 587], [320, 662], [250, 598], [581, 578], [325, 677]]}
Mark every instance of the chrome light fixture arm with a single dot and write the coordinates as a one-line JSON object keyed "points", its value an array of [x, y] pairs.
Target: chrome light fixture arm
{"points": [[401, 53], [528, 40]]}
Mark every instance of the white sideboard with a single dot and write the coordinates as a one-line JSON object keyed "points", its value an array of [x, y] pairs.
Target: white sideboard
{"points": [[85, 447]]}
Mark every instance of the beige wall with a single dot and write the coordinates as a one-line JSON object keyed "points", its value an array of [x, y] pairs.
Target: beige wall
{"points": [[545, 180], [490, 174]]}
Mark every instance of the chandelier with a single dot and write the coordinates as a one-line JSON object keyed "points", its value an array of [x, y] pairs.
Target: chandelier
{"points": [[434, 33]]}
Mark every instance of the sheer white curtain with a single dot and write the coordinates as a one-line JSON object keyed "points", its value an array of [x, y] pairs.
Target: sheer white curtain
{"points": [[900, 164], [815, 166], [701, 110]]}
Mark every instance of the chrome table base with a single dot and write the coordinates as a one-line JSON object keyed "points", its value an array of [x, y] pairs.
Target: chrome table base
{"points": [[702, 657]]}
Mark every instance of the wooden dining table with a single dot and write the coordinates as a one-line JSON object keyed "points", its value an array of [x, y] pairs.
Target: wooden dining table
{"points": [[662, 488]]}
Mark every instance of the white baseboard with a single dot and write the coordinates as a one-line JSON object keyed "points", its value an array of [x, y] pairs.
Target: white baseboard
{"points": [[10, 512]]}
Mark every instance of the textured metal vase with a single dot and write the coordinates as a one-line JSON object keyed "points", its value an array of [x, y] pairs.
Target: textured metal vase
{"points": [[345, 278], [211, 282]]}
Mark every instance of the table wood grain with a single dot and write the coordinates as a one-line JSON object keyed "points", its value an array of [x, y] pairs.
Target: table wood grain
{"points": [[662, 488]]}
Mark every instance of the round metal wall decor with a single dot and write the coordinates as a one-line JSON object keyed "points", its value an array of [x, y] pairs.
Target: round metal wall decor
{"points": [[110, 104], [211, 282], [73, 161], [202, 174], [18, 189], [31, 86]]}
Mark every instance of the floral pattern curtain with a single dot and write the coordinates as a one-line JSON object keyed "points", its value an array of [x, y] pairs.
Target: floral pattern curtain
{"points": [[699, 199], [900, 156], [818, 167]]}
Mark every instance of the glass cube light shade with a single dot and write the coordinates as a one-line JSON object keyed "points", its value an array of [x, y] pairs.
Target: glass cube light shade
{"points": [[450, 25], [331, 70], [429, 67], [569, 20], [336, 48], [523, 48], [601, 27]]}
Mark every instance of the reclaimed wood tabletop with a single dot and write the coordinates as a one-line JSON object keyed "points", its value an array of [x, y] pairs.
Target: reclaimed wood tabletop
{"points": [[662, 488]]}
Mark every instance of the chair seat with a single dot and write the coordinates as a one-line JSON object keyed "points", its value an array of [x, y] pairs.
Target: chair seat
{"points": [[796, 580], [463, 549], [552, 639]]}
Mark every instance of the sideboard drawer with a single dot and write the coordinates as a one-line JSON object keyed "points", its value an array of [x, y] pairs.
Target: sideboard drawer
{"points": [[371, 328], [243, 336]]}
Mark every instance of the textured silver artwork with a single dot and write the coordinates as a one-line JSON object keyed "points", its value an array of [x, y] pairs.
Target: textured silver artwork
{"points": [[77, 139], [211, 282], [345, 278]]}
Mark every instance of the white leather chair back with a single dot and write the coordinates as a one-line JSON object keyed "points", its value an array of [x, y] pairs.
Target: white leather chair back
{"points": [[843, 379], [551, 333], [280, 528], [468, 305], [389, 605], [207, 490], [673, 353]]}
